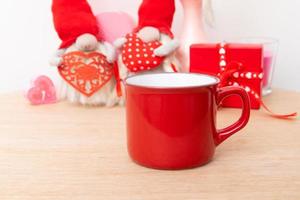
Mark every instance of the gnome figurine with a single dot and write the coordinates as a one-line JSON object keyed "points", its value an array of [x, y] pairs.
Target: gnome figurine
{"points": [[85, 62], [151, 47]]}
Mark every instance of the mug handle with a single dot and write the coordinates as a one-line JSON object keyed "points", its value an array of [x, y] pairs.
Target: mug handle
{"points": [[223, 93]]}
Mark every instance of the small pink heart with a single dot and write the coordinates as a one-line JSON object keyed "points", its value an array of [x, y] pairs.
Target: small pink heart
{"points": [[42, 92]]}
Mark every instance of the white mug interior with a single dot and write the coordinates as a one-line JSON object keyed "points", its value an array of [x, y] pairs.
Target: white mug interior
{"points": [[172, 80]]}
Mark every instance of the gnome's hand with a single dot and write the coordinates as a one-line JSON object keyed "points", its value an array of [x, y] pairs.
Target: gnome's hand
{"points": [[109, 51], [119, 43], [167, 48], [57, 59]]}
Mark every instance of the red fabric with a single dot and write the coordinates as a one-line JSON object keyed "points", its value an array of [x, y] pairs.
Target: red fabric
{"points": [[157, 13], [73, 18]]}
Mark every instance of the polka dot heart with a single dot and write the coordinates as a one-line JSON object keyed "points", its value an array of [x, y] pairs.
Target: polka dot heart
{"points": [[138, 55], [86, 72]]}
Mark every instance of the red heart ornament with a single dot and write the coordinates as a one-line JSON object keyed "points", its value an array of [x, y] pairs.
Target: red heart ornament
{"points": [[42, 92], [138, 55], [86, 72]]}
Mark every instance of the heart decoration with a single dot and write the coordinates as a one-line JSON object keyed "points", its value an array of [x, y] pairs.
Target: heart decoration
{"points": [[86, 72], [42, 92], [138, 55]]}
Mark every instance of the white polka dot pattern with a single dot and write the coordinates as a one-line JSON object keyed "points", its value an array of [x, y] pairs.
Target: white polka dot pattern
{"points": [[138, 55]]}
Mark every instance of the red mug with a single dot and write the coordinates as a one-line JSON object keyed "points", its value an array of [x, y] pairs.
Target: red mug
{"points": [[171, 119]]}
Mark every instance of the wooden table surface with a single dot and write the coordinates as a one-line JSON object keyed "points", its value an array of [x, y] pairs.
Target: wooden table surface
{"points": [[73, 153]]}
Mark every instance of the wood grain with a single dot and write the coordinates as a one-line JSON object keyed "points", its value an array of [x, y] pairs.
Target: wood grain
{"points": [[65, 152]]}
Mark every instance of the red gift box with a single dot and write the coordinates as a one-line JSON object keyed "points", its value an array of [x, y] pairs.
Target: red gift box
{"points": [[235, 64]]}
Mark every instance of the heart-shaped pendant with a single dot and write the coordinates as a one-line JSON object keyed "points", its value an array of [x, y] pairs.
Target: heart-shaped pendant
{"points": [[86, 72], [42, 92], [138, 55]]}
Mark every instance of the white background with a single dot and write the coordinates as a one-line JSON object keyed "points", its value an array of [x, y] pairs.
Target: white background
{"points": [[28, 38]]}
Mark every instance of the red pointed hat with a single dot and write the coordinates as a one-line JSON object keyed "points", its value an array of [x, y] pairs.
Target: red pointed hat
{"points": [[73, 18], [157, 13]]}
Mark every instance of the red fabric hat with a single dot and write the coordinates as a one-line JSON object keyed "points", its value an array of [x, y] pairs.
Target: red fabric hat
{"points": [[73, 18], [157, 13]]}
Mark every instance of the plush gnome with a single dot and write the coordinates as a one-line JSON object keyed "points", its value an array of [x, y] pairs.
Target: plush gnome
{"points": [[85, 62], [151, 47]]}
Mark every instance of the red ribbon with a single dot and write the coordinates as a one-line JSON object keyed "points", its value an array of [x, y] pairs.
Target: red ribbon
{"points": [[118, 79], [227, 74], [174, 68]]}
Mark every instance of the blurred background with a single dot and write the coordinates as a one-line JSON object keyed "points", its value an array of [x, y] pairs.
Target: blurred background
{"points": [[28, 38]]}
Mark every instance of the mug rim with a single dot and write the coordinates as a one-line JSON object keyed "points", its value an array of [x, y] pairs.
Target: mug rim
{"points": [[217, 81]]}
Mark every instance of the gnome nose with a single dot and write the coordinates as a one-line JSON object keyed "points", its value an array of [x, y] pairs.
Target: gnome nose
{"points": [[86, 42], [88, 47]]}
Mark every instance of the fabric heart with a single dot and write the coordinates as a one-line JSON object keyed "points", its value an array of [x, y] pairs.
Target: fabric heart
{"points": [[86, 72], [138, 55], [42, 92]]}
